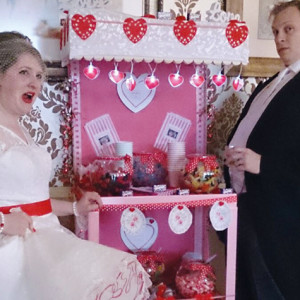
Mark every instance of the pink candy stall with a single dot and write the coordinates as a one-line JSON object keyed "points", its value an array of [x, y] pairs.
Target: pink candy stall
{"points": [[142, 83]]}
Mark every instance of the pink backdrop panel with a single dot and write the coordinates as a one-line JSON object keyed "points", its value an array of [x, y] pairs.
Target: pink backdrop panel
{"points": [[100, 96]]}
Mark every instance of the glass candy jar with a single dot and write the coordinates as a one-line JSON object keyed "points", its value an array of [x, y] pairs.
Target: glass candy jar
{"points": [[108, 176], [149, 169], [202, 174]]}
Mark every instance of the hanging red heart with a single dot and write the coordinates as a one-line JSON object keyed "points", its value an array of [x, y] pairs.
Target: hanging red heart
{"points": [[83, 26], [151, 82], [238, 83], [91, 72], [197, 80], [130, 83], [236, 33], [116, 76], [135, 29], [175, 80], [219, 79], [185, 31]]}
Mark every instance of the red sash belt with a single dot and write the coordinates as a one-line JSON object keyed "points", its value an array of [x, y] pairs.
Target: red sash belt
{"points": [[32, 209]]}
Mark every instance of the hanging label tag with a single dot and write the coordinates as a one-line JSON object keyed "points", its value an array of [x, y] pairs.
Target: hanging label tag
{"points": [[180, 219], [132, 220], [220, 215]]}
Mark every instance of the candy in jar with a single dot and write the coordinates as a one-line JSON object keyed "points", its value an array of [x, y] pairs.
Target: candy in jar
{"points": [[202, 174]]}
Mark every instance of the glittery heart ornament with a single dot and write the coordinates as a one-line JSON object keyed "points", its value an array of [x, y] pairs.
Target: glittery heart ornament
{"points": [[151, 82], [197, 80], [116, 76], [185, 31], [219, 79], [91, 72], [238, 83], [83, 26], [175, 79], [135, 29], [236, 33]]}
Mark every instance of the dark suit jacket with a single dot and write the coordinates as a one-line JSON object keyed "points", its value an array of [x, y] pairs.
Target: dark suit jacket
{"points": [[272, 201]]}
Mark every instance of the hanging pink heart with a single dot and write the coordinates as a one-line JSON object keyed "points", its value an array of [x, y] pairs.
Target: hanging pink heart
{"points": [[219, 79], [91, 72], [236, 33], [135, 29], [175, 79], [185, 31], [238, 83], [84, 26], [130, 83], [116, 76], [151, 82], [197, 80]]}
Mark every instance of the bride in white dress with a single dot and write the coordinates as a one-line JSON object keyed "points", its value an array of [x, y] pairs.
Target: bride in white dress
{"points": [[39, 258]]}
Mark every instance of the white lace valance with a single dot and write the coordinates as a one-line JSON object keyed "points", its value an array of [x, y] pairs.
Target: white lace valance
{"points": [[101, 34]]}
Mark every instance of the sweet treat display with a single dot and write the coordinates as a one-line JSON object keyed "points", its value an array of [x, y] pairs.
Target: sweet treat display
{"points": [[195, 278], [149, 169], [153, 263], [202, 174], [109, 176]]}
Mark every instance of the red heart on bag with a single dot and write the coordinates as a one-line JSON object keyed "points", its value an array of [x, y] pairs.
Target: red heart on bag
{"points": [[151, 82], [84, 26], [197, 80], [135, 29], [175, 80], [236, 33], [185, 31], [116, 76], [219, 79], [132, 209], [180, 207]]}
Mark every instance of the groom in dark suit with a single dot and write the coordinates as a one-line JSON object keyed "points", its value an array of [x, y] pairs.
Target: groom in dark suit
{"points": [[263, 166]]}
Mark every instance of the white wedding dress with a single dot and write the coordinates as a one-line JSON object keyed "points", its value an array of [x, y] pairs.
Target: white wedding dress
{"points": [[52, 263]]}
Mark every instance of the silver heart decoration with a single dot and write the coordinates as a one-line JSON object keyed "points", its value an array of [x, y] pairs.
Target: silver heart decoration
{"points": [[142, 240], [140, 97]]}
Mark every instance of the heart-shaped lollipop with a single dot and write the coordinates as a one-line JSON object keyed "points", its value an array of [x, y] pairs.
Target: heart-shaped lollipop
{"points": [[151, 82], [197, 80], [91, 72], [116, 76], [175, 79]]}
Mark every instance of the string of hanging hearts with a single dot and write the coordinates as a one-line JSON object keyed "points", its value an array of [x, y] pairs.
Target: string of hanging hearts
{"points": [[152, 81]]}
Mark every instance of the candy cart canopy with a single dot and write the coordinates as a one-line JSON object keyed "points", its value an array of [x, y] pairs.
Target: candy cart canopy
{"points": [[97, 34]]}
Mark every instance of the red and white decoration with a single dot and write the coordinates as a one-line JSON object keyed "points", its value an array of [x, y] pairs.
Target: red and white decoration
{"points": [[220, 215], [93, 34], [180, 219]]}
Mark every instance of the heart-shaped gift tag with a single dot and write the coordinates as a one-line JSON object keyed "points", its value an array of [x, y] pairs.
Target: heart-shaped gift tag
{"points": [[219, 79], [238, 83], [197, 80], [116, 76], [140, 97], [84, 26], [175, 79], [91, 72], [236, 33], [135, 29], [143, 239], [151, 82], [185, 31]]}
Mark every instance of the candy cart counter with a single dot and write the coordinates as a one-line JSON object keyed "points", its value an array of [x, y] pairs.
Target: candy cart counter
{"points": [[159, 209]]}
